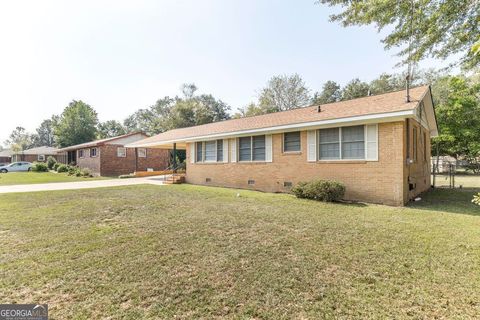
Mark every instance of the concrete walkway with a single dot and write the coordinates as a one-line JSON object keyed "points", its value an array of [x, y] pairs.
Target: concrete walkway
{"points": [[156, 180]]}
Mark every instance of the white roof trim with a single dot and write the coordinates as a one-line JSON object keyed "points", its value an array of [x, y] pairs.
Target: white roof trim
{"points": [[371, 118]]}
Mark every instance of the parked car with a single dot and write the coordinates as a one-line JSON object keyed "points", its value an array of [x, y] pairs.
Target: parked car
{"points": [[16, 166]]}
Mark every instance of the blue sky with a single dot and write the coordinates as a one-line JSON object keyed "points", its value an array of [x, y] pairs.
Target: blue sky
{"points": [[120, 56]]}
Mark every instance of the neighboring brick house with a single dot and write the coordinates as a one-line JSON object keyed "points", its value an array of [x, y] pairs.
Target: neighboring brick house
{"points": [[110, 157], [378, 146], [38, 154], [5, 156]]}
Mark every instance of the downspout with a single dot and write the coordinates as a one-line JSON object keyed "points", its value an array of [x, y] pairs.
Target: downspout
{"points": [[174, 157]]}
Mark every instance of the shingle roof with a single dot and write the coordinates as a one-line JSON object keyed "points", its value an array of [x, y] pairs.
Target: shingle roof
{"points": [[99, 142], [40, 150], [382, 103], [6, 153]]}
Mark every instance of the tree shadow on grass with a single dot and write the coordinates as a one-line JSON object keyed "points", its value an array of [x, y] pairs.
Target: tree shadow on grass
{"points": [[448, 200]]}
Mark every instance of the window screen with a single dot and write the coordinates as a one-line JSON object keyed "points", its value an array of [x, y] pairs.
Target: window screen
{"points": [[291, 141], [219, 150], [199, 152], [245, 149], [210, 150], [258, 144], [329, 144], [353, 142]]}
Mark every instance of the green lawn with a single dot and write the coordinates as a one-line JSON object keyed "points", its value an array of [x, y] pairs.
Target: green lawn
{"points": [[196, 252], [466, 181], [12, 178]]}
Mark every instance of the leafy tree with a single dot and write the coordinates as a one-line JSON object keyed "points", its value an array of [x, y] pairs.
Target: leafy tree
{"points": [[330, 93], [355, 89], [77, 124], [458, 116], [110, 128], [284, 93], [387, 83], [250, 110], [19, 140], [439, 29], [44, 134], [171, 113]]}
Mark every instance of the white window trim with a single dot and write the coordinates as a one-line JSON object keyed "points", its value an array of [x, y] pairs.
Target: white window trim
{"points": [[125, 153], [81, 153], [283, 142], [142, 156], [41, 157], [251, 150], [203, 144], [365, 158], [96, 152]]}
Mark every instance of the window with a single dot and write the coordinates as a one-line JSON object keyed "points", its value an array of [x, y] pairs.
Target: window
{"points": [[329, 144], [245, 149], [41, 157], [219, 150], [209, 151], [353, 142], [291, 142], [142, 152], [121, 152], [348, 143], [415, 144], [80, 153], [251, 148], [93, 152], [199, 151]]}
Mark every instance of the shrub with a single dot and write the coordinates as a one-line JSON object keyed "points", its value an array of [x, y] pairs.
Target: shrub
{"points": [[62, 168], [56, 165], [85, 173], [39, 167], [321, 190], [72, 171], [476, 199], [51, 161]]}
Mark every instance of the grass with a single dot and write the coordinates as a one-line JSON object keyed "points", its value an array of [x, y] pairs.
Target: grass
{"points": [[466, 181], [13, 178], [195, 252]]}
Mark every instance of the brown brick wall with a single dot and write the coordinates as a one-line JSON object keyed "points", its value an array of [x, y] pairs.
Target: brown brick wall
{"points": [[379, 181], [30, 157], [418, 172], [5, 159], [156, 158], [90, 163]]}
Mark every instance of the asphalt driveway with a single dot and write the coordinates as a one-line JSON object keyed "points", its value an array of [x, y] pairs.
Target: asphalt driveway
{"points": [[156, 180]]}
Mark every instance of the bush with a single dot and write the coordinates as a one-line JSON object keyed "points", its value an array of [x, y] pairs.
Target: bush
{"points": [[39, 167], [56, 165], [476, 199], [51, 161], [72, 171], [321, 190], [62, 168]]}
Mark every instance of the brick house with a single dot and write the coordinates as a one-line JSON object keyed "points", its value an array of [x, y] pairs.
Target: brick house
{"points": [[378, 146], [5, 156], [38, 154], [110, 157]]}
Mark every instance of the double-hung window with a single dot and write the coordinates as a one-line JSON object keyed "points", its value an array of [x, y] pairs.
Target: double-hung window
{"points": [[348, 143], [251, 148], [121, 152], [93, 152], [291, 141], [209, 151]]}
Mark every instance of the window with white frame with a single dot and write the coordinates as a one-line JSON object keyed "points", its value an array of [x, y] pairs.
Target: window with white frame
{"points": [[251, 148], [41, 157], [291, 141], [348, 143], [209, 151], [142, 152], [81, 153], [121, 152], [93, 152]]}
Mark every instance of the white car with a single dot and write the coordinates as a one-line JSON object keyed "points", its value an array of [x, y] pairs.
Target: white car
{"points": [[16, 166]]}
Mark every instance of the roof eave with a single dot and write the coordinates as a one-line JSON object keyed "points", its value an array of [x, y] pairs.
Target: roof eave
{"points": [[378, 117]]}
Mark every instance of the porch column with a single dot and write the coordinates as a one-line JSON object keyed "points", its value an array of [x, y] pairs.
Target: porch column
{"points": [[174, 157]]}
